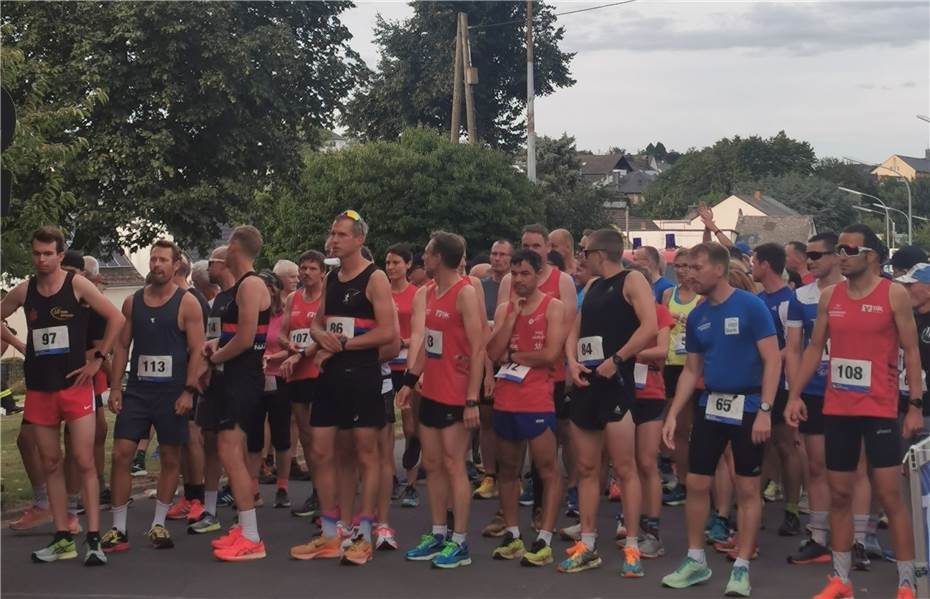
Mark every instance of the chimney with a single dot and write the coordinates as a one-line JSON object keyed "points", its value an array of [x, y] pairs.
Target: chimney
{"points": [[757, 196]]}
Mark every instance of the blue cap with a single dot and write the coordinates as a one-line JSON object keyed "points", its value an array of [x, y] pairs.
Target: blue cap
{"points": [[919, 273], [744, 247]]}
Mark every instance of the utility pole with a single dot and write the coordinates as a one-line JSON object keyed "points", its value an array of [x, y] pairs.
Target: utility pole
{"points": [[457, 73], [530, 94], [471, 78]]}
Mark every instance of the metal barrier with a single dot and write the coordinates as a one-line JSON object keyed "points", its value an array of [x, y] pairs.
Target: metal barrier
{"points": [[917, 461]]}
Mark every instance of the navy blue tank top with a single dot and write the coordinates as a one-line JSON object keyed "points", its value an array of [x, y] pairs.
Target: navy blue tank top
{"points": [[159, 346], [57, 337]]}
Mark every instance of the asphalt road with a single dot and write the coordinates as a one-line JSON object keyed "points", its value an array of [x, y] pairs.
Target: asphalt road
{"points": [[189, 570]]}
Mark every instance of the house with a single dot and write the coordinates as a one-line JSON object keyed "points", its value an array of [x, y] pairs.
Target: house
{"points": [[336, 142], [907, 167], [633, 186], [755, 230], [609, 169]]}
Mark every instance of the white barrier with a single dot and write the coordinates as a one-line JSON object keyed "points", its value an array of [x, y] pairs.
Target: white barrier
{"points": [[917, 461]]}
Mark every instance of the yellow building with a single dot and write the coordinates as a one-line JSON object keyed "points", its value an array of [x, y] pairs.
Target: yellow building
{"points": [[907, 167]]}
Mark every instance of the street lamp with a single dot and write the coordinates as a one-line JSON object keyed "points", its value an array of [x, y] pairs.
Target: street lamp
{"points": [[924, 117], [897, 175], [888, 220]]}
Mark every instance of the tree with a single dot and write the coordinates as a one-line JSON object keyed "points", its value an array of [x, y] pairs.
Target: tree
{"points": [[831, 208], [209, 104], [853, 176], [571, 202], [413, 83], [405, 189]]}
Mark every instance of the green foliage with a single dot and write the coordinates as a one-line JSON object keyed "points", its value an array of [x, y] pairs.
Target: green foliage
{"points": [[405, 189], [413, 83], [831, 208], [571, 202]]}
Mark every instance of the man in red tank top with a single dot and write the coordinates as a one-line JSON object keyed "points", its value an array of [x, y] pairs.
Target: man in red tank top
{"points": [[865, 318], [526, 341], [447, 350]]}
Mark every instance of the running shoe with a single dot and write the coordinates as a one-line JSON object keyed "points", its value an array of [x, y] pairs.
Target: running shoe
{"points": [[772, 492], [905, 592], [207, 523], [791, 526], [94, 555], [397, 490], [298, 472], [33, 517], [738, 586], [228, 540], [179, 510], [114, 541], [156, 453], [526, 498], [472, 472], [804, 503], [836, 589], [614, 492], [810, 552], [571, 533], [632, 563], [241, 550], [410, 497], [106, 498], [540, 554], [307, 509], [430, 546], [346, 534], [225, 497], [496, 527], [138, 465], [160, 537], [195, 512], [358, 553], [571, 503], [510, 548], [860, 559], [452, 556], [733, 555], [872, 547], [281, 500], [318, 548], [579, 559], [386, 540], [621, 528], [689, 573], [56, 550], [487, 489], [676, 496], [725, 546], [719, 530], [651, 547]]}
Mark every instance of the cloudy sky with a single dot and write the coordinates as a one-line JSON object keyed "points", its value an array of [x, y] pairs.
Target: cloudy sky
{"points": [[849, 77]]}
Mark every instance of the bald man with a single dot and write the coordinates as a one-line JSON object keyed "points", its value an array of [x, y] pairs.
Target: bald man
{"points": [[563, 243]]}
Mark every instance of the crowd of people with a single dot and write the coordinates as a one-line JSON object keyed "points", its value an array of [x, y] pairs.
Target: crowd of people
{"points": [[792, 373]]}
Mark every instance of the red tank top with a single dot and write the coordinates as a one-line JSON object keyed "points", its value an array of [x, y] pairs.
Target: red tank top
{"points": [[302, 315], [650, 384], [445, 375], [534, 393], [403, 301], [551, 288], [863, 376]]}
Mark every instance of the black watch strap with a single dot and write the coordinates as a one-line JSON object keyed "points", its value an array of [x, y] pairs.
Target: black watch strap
{"points": [[917, 403], [99, 355], [191, 389], [471, 403]]}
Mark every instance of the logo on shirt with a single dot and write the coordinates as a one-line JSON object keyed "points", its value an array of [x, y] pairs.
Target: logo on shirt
{"points": [[731, 326], [925, 335], [62, 314], [350, 295], [872, 309], [703, 326], [441, 314], [837, 312], [33, 315]]}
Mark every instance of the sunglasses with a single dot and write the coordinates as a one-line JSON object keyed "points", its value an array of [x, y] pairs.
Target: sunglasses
{"points": [[850, 250], [815, 256], [590, 251], [214, 260], [351, 214]]}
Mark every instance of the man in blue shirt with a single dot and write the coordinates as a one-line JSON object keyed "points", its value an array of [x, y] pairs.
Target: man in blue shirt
{"points": [[730, 339], [768, 268]]}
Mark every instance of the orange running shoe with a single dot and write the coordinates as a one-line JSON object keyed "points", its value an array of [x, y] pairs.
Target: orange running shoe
{"points": [[906, 592], [632, 563], [358, 553], [836, 589], [318, 548], [195, 511], [179, 510], [241, 550], [33, 517], [227, 540]]}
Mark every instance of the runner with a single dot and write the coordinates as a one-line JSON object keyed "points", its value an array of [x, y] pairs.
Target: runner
{"points": [[730, 338], [562, 242], [648, 257], [164, 327], [299, 370], [866, 318], [238, 355], [617, 321], [796, 261], [526, 341], [59, 381], [354, 320], [802, 313], [917, 282], [96, 327], [448, 316], [768, 267]]}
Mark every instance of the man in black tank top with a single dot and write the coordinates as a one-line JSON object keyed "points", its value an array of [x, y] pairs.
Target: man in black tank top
{"points": [[356, 318], [164, 327], [238, 355], [617, 321], [59, 377]]}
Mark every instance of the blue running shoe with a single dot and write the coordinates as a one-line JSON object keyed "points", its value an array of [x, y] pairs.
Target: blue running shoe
{"points": [[225, 497], [719, 531], [526, 499], [453, 555], [675, 497], [430, 546], [571, 503]]}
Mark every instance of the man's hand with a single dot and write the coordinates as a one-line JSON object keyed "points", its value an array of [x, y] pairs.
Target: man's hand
{"points": [[668, 431], [575, 370], [184, 403], [795, 412], [762, 428], [288, 365], [488, 385], [329, 342], [115, 401], [210, 347], [321, 357], [913, 423], [606, 369], [85, 373], [402, 399], [471, 418]]}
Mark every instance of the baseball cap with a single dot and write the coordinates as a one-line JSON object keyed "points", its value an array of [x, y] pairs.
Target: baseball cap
{"points": [[919, 273], [907, 257], [73, 259], [744, 247]]}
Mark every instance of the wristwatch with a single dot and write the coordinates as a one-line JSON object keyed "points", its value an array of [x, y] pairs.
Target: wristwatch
{"points": [[617, 360], [99, 355], [917, 403], [765, 407], [471, 403], [191, 389]]}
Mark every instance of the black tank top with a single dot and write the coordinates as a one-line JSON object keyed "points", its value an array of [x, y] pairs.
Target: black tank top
{"points": [[204, 304], [159, 347], [248, 364], [349, 311], [605, 313], [57, 337]]}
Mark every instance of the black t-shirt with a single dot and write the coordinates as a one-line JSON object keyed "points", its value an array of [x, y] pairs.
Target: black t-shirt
{"points": [[923, 342]]}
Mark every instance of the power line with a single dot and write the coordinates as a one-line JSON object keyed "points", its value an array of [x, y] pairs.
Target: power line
{"points": [[558, 14]]}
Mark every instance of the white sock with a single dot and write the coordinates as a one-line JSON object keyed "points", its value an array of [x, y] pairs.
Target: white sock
{"points": [[514, 530], [73, 504], [698, 555], [906, 574], [741, 563], [248, 520], [589, 539], [860, 525], [632, 541], [440, 529], [458, 538], [40, 497], [209, 501], [119, 517], [161, 511], [546, 536], [818, 527], [842, 562]]}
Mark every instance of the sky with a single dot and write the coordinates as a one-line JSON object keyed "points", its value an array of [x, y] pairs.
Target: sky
{"points": [[848, 77]]}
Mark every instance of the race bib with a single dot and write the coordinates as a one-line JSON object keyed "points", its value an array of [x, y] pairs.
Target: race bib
{"points": [[271, 384], [155, 369], [851, 375], [591, 350], [300, 338], [213, 327], [678, 343], [401, 357], [386, 385], [340, 326], [513, 372], [640, 374], [902, 377], [50, 341], [726, 408], [433, 343]]}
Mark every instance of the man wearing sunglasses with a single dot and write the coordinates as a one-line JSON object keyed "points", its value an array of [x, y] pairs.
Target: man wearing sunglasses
{"points": [[917, 282], [866, 318]]}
